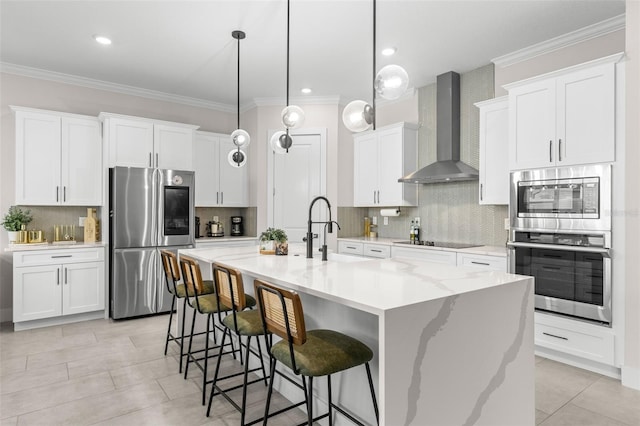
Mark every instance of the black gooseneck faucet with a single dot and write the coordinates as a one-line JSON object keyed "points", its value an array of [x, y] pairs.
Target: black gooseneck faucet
{"points": [[328, 228]]}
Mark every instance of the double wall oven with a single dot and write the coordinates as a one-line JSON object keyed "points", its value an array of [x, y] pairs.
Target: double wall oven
{"points": [[561, 235]]}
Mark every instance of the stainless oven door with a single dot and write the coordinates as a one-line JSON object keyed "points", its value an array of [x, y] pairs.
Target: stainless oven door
{"points": [[569, 280]]}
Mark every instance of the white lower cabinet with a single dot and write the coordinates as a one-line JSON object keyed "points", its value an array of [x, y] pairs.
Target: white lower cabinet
{"points": [[494, 263], [381, 251], [52, 283], [430, 255]]}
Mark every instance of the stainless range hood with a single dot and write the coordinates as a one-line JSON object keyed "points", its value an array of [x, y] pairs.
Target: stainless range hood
{"points": [[448, 168]]}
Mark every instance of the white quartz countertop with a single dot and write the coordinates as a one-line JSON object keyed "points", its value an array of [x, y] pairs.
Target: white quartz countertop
{"points": [[371, 285], [223, 239], [482, 250], [50, 246]]}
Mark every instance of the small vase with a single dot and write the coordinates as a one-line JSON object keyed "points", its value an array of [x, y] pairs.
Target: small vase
{"points": [[282, 249], [267, 247], [13, 236]]}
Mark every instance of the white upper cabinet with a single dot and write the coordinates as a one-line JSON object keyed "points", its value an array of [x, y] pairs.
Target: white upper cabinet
{"points": [[564, 119], [381, 157], [140, 142], [218, 183], [494, 148], [58, 158]]}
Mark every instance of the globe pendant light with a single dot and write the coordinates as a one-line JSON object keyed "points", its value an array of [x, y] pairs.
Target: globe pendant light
{"points": [[292, 115], [239, 137], [391, 82]]}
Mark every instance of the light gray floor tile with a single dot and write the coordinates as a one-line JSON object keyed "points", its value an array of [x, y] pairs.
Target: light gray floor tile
{"points": [[10, 365], [572, 415], [143, 371], [98, 408], [175, 386], [12, 421], [540, 416], [46, 343], [607, 397], [26, 401], [557, 384], [59, 356], [114, 359], [33, 378]]}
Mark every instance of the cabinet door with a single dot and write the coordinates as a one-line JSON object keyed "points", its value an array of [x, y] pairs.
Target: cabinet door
{"points": [[81, 167], [37, 292], [130, 142], [586, 116], [390, 167], [205, 165], [494, 148], [532, 126], [365, 170], [173, 147], [82, 287], [38, 144], [234, 191]]}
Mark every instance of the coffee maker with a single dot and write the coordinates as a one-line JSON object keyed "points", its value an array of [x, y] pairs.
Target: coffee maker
{"points": [[237, 227]]}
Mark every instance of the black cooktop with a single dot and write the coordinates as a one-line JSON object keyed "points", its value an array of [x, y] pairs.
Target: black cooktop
{"points": [[439, 244]]}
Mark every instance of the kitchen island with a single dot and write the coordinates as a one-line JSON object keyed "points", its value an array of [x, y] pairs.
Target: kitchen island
{"points": [[452, 345]]}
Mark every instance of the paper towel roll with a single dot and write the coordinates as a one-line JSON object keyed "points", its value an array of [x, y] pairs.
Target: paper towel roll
{"points": [[390, 212]]}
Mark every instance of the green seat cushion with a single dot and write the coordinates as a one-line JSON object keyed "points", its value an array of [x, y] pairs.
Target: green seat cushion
{"points": [[249, 323], [207, 304], [325, 352], [209, 288]]}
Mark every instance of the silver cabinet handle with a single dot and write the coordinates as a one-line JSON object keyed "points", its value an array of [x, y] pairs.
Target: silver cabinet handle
{"points": [[157, 160], [64, 193], [150, 163], [217, 198], [221, 197], [553, 335], [480, 263], [559, 149], [65, 275], [377, 251], [551, 151], [480, 192], [57, 194], [374, 197], [61, 255], [351, 247], [58, 276]]}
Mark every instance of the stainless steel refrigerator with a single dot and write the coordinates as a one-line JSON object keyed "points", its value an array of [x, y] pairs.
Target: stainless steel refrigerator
{"points": [[149, 210]]}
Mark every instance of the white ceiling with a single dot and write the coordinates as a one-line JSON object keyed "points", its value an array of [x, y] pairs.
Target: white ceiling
{"points": [[185, 48]]}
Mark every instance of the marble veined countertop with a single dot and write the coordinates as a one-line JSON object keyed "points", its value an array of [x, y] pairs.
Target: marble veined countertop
{"points": [[500, 251], [372, 285], [50, 246]]}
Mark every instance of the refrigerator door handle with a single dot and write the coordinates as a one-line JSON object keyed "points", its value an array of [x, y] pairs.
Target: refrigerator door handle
{"points": [[158, 208]]}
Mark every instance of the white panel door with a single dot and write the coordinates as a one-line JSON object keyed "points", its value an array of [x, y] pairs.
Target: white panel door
{"points": [[130, 142], [234, 184], [365, 170], [390, 156], [205, 165], [81, 166], [37, 159], [83, 287], [173, 147], [37, 292], [297, 181], [494, 157]]}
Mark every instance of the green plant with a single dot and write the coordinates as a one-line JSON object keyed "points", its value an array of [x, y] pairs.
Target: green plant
{"points": [[15, 218], [275, 234]]}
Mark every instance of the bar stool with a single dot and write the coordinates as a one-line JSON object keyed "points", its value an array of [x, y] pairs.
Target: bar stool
{"points": [[248, 323], [312, 353], [178, 291]]}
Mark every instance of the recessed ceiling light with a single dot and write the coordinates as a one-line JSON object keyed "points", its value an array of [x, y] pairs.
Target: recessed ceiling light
{"points": [[389, 51], [102, 39], [306, 90]]}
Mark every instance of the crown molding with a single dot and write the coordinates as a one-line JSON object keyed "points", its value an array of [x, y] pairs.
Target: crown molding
{"points": [[112, 87], [583, 34]]}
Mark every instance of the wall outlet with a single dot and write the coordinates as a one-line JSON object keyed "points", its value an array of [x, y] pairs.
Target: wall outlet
{"points": [[81, 221], [506, 223], [215, 219], [416, 220], [385, 220], [374, 220]]}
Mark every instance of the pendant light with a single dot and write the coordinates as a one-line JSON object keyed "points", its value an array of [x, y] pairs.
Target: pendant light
{"points": [[390, 83], [292, 115], [239, 137]]}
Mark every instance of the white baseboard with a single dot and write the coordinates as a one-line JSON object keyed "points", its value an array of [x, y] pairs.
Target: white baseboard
{"points": [[6, 315], [631, 377]]}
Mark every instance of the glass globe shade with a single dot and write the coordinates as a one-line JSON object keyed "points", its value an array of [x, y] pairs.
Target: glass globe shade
{"points": [[292, 117], [240, 138], [280, 142], [237, 158], [391, 82], [357, 116]]}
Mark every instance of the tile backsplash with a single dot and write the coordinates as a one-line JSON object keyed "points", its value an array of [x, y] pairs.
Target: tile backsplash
{"points": [[46, 217], [224, 214], [448, 211]]}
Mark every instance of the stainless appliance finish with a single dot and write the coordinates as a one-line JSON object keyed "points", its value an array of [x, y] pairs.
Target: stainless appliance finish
{"points": [[448, 167], [442, 244], [150, 209], [574, 198]]}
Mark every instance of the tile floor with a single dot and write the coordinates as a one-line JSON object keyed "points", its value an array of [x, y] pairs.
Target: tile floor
{"points": [[115, 373]]}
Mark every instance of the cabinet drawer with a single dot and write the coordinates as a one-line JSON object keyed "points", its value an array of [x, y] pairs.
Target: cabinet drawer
{"points": [[438, 256], [349, 247], [377, 250], [596, 345], [52, 257], [484, 262]]}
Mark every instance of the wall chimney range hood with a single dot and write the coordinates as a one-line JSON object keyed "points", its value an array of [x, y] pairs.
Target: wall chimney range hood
{"points": [[448, 167]]}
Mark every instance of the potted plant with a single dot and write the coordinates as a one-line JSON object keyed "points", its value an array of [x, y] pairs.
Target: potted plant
{"points": [[15, 220], [274, 241]]}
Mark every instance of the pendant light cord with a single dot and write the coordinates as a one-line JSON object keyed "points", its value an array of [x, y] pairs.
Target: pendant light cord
{"points": [[288, 52], [238, 103], [374, 65]]}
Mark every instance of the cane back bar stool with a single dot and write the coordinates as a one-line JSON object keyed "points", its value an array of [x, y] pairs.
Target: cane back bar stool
{"points": [[205, 304], [247, 323], [309, 353], [179, 291]]}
